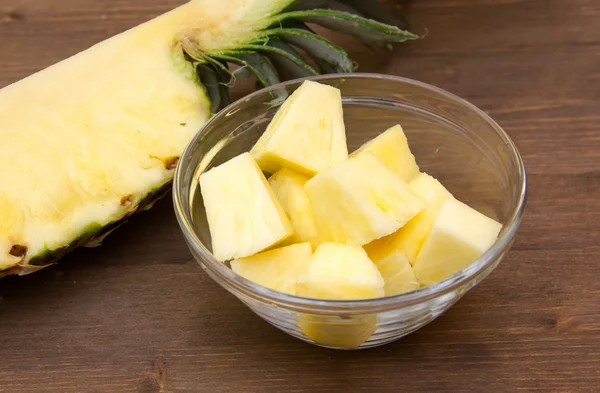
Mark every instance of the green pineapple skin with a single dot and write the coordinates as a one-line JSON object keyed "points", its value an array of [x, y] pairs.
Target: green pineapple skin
{"points": [[97, 231]]}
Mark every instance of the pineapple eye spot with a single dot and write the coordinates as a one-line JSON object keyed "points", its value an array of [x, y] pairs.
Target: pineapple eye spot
{"points": [[18, 251], [126, 200], [183, 124], [171, 162]]}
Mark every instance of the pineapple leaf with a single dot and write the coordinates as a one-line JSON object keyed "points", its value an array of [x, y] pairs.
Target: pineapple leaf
{"points": [[254, 62], [279, 55], [304, 5], [289, 71], [368, 9], [330, 57], [374, 10], [225, 75], [370, 32], [210, 79]]}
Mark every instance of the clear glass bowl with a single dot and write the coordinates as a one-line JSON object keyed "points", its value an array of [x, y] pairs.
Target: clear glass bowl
{"points": [[451, 139]]}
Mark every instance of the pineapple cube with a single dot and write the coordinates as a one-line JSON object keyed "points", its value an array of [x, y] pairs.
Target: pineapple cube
{"points": [[275, 269], [307, 133], [409, 239], [340, 272], [392, 149], [288, 185], [459, 236], [360, 200], [244, 216]]}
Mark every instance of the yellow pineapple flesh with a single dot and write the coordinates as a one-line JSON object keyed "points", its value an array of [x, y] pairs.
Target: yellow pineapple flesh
{"points": [[243, 213], [275, 269], [409, 239], [288, 185], [396, 271], [360, 200], [307, 133], [460, 235], [339, 272], [391, 147]]}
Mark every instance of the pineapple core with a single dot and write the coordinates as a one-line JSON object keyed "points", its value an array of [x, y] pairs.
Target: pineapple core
{"points": [[307, 133], [408, 240], [288, 185], [360, 200], [392, 149], [275, 269], [244, 216], [459, 236]]}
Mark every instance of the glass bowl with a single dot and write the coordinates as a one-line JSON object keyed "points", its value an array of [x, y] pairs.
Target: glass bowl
{"points": [[452, 141]]}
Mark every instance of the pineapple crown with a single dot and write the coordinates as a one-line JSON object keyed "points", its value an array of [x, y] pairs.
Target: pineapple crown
{"points": [[283, 50]]}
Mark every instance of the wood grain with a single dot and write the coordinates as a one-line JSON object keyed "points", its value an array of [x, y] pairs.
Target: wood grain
{"points": [[138, 315]]}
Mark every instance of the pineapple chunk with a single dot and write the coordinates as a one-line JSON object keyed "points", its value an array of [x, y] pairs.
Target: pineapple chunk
{"points": [[275, 269], [340, 272], [244, 216], [392, 149], [459, 236], [409, 239], [307, 133], [396, 271], [288, 185], [360, 200], [336, 331]]}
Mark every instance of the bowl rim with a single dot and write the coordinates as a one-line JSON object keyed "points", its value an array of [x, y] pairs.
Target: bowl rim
{"points": [[239, 285]]}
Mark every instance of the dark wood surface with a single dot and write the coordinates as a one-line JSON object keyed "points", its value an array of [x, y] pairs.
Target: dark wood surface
{"points": [[138, 315]]}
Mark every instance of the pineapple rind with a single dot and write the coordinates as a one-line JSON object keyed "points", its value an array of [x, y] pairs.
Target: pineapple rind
{"points": [[96, 230]]}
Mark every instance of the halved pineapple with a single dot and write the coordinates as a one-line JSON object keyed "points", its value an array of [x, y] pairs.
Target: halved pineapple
{"points": [[275, 269], [391, 147], [307, 133], [288, 185], [243, 214], [459, 236], [96, 137], [408, 240], [339, 272], [360, 200]]}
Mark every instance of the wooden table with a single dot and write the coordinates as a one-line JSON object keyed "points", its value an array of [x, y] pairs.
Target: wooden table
{"points": [[138, 315]]}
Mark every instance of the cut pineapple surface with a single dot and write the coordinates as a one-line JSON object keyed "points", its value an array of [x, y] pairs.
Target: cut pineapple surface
{"points": [[275, 269], [307, 133], [396, 271], [288, 185], [409, 239], [460, 235], [360, 200], [391, 147], [243, 213], [340, 272]]}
